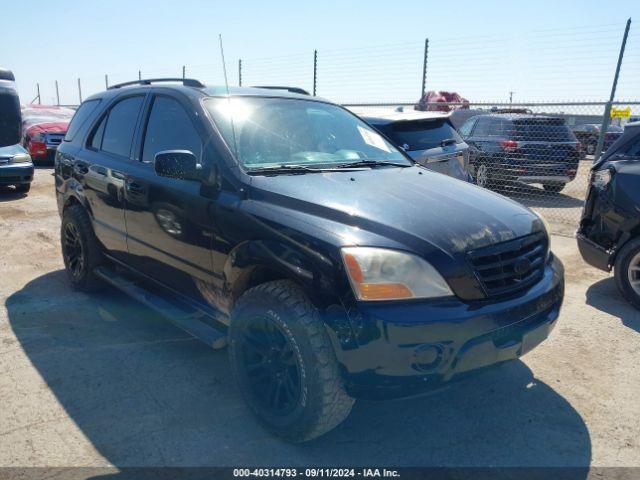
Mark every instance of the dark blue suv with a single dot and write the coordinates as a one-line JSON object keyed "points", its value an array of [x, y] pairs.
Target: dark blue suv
{"points": [[282, 224], [507, 149]]}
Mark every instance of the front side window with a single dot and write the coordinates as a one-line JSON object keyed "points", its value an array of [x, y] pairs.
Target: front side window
{"points": [[169, 128], [120, 126], [271, 132]]}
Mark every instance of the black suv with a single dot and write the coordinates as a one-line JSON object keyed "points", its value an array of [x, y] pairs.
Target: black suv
{"points": [[521, 148], [609, 233], [283, 224]]}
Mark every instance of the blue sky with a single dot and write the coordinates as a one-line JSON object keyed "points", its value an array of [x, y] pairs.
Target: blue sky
{"points": [[368, 50]]}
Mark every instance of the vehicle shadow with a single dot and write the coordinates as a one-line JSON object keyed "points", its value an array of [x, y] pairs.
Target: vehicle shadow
{"points": [[531, 196], [604, 296], [9, 194], [146, 394]]}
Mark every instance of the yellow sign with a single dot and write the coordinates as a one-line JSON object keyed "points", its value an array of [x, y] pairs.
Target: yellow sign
{"points": [[620, 112]]}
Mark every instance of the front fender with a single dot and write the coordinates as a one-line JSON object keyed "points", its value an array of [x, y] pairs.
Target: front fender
{"points": [[312, 271]]}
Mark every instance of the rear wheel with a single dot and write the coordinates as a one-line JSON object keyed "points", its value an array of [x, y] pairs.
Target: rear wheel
{"points": [[284, 363], [627, 271], [483, 178], [591, 148], [81, 251], [553, 187]]}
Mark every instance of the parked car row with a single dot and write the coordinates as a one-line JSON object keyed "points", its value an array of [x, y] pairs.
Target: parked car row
{"points": [[588, 134]]}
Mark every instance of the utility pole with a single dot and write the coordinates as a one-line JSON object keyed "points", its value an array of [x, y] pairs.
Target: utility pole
{"points": [[79, 90], [607, 109], [184, 72], [106, 81], [139, 75], [424, 68], [511, 92], [239, 72], [57, 94], [38, 88]]}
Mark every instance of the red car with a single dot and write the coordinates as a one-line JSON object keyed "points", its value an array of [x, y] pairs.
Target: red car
{"points": [[43, 128]]}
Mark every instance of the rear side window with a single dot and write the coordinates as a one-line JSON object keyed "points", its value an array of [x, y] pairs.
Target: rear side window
{"points": [[81, 115], [169, 128], [120, 126], [483, 127], [421, 134]]}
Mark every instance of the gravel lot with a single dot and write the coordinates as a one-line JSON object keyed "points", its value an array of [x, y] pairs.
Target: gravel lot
{"points": [[100, 381]]}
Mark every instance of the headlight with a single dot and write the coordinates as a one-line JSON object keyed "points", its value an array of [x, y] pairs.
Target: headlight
{"points": [[20, 158], [382, 274], [544, 222], [601, 178]]}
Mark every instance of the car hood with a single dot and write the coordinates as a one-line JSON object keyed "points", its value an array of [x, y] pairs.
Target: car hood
{"points": [[408, 205], [48, 127]]}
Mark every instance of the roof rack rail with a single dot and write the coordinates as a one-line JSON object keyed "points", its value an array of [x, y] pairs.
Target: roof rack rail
{"points": [[299, 90], [187, 82]]}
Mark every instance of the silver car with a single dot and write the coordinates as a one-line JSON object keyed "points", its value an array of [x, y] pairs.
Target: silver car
{"points": [[428, 137]]}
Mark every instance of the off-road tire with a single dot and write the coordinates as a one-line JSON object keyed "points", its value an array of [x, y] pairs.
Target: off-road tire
{"points": [[323, 402], [621, 271], [84, 278]]}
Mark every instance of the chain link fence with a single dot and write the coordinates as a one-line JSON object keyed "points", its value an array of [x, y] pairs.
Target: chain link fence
{"points": [[538, 154]]}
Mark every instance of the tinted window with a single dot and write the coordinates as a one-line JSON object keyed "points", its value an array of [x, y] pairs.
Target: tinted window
{"points": [[421, 134], [95, 140], [465, 129], [169, 128], [543, 129], [483, 127], [80, 117], [121, 123]]}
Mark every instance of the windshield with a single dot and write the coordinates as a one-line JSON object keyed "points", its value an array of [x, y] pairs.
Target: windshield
{"points": [[271, 132], [421, 134]]}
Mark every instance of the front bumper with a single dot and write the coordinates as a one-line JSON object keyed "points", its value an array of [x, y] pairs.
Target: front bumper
{"points": [[409, 348], [594, 254], [16, 174]]}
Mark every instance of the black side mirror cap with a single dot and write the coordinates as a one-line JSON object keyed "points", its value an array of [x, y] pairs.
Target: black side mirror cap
{"points": [[10, 115], [181, 164]]}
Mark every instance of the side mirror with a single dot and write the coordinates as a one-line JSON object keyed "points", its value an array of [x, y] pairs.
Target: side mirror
{"points": [[10, 116], [181, 164]]}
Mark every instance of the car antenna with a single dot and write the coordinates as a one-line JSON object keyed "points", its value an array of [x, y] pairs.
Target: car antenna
{"points": [[226, 84]]}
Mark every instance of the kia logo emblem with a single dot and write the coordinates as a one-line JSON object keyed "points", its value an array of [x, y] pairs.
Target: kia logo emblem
{"points": [[521, 266]]}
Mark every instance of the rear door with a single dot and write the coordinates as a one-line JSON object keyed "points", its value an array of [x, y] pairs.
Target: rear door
{"points": [[101, 166], [169, 222]]}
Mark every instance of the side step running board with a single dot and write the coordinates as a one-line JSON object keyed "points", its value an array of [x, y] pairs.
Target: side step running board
{"points": [[184, 316]]}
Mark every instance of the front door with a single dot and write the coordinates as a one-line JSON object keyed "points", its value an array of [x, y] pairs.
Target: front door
{"points": [[169, 222]]}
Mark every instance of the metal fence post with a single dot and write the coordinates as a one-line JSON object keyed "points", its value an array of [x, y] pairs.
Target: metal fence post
{"points": [[184, 72], [240, 72], [139, 75], [424, 68], [106, 81], [38, 89], [315, 71], [607, 109], [57, 94], [79, 90]]}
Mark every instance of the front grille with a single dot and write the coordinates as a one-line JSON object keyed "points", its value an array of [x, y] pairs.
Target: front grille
{"points": [[509, 267]]}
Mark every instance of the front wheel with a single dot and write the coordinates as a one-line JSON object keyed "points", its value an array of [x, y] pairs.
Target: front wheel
{"points": [[284, 363], [627, 272], [23, 188]]}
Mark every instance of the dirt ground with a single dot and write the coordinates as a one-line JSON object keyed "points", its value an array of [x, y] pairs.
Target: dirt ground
{"points": [[101, 381]]}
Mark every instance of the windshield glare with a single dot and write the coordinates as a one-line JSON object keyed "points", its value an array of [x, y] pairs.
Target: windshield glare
{"points": [[270, 132]]}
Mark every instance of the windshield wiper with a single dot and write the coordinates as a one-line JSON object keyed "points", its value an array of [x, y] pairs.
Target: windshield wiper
{"points": [[370, 163], [284, 168]]}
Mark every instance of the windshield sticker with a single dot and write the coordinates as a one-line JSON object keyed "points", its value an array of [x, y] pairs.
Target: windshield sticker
{"points": [[373, 139]]}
